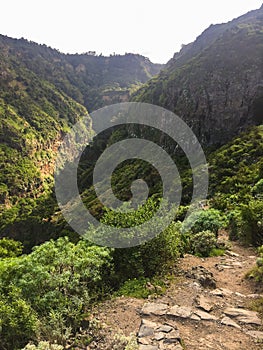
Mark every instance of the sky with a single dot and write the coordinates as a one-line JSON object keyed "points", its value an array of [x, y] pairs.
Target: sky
{"points": [[153, 28]]}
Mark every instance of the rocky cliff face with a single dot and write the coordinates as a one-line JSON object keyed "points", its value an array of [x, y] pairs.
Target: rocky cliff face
{"points": [[216, 83]]}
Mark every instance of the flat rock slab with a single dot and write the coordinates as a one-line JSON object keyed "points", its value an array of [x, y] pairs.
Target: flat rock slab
{"points": [[205, 316], [156, 309], [230, 253], [204, 303], [164, 328], [255, 334], [148, 347], [227, 321], [145, 331], [194, 317], [166, 346], [244, 316], [180, 311], [221, 292]]}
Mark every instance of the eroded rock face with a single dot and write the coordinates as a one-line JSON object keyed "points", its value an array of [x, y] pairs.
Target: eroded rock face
{"points": [[213, 83]]}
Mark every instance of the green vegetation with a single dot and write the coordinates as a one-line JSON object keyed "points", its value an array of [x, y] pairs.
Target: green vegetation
{"points": [[205, 220], [203, 82], [10, 248], [236, 172], [203, 243], [43, 345], [141, 288], [257, 272], [48, 284], [42, 93], [45, 294]]}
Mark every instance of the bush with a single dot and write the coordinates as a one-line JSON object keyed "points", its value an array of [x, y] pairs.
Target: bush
{"points": [[18, 320], [43, 345], [151, 258], [251, 226], [257, 272], [205, 220], [203, 243], [10, 248], [257, 190], [234, 224], [53, 286]]}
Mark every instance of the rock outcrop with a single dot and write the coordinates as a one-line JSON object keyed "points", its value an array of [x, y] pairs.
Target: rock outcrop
{"points": [[216, 83]]}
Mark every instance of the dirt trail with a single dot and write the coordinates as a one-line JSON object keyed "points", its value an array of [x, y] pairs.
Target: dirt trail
{"points": [[199, 317]]}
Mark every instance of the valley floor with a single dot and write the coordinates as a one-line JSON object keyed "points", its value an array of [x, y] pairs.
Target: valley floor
{"points": [[206, 307]]}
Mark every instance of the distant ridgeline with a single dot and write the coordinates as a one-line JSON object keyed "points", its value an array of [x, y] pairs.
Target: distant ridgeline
{"points": [[215, 84]]}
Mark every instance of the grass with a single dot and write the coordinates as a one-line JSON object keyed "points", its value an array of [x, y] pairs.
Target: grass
{"points": [[141, 288], [216, 252]]}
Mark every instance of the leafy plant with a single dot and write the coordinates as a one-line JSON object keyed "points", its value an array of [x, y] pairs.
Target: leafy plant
{"points": [[205, 220], [10, 248], [50, 289], [43, 345], [251, 226], [203, 243], [141, 288]]}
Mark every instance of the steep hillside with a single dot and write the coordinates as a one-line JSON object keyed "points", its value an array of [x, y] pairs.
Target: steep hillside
{"points": [[42, 93], [34, 115], [236, 168], [215, 83], [92, 80]]}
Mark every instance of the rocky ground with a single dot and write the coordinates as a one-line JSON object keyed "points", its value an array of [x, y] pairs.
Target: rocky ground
{"points": [[206, 307]]}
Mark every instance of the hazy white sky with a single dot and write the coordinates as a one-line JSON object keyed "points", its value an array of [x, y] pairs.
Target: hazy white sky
{"points": [[153, 28]]}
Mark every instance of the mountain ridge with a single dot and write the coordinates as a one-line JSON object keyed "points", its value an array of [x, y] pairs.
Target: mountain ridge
{"points": [[213, 82]]}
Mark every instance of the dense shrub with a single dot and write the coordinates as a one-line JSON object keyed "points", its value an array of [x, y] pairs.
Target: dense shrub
{"points": [[251, 226], [10, 248], [46, 292], [234, 224], [257, 272], [18, 321], [43, 345], [203, 220], [257, 190], [203, 243], [153, 257]]}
